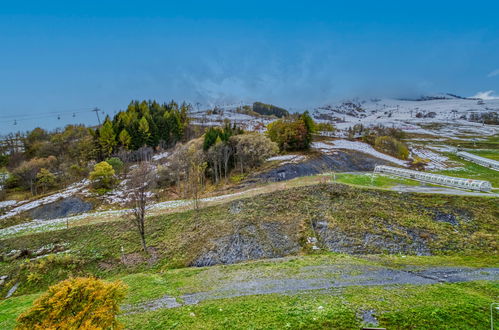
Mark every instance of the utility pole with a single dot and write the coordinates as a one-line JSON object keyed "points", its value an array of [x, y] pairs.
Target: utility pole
{"points": [[96, 110]]}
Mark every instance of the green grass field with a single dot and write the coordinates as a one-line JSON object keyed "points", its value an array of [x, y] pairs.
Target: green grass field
{"points": [[370, 180], [473, 171]]}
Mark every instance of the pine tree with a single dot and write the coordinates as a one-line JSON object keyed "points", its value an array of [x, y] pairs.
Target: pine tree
{"points": [[107, 137], [144, 130], [125, 139]]}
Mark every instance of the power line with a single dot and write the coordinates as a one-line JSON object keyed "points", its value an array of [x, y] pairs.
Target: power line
{"points": [[96, 110]]}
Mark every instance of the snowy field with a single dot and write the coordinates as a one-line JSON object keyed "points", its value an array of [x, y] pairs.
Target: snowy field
{"points": [[357, 146], [404, 114]]}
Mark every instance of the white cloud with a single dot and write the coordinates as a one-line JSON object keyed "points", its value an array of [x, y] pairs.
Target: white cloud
{"points": [[487, 95], [493, 73]]}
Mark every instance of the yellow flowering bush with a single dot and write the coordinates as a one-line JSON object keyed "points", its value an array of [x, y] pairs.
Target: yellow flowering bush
{"points": [[76, 303]]}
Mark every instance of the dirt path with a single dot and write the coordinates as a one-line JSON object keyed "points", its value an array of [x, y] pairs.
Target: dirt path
{"points": [[329, 278]]}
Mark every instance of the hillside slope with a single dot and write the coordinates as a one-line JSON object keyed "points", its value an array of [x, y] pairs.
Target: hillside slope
{"points": [[325, 217]]}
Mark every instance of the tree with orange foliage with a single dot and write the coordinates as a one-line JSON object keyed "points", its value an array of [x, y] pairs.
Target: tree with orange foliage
{"points": [[76, 303]]}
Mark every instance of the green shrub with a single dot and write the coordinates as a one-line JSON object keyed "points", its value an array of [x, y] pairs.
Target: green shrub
{"points": [[76, 303], [45, 179], [116, 163], [103, 176], [77, 172], [391, 146]]}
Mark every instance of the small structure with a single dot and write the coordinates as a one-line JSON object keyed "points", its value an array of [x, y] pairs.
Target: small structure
{"points": [[438, 179], [493, 164]]}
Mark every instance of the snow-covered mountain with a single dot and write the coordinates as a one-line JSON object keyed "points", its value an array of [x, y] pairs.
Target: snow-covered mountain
{"points": [[451, 115]]}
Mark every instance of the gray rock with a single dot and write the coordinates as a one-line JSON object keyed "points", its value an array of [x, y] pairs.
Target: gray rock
{"points": [[12, 290], [341, 161], [61, 208], [368, 317], [446, 217], [397, 240], [267, 240], [235, 207]]}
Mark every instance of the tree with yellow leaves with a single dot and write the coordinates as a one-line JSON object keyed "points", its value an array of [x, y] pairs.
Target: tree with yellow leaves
{"points": [[76, 303]]}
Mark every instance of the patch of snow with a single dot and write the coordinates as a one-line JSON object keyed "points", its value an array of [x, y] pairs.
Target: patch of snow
{"points": [[443, 148], [121, 197], [5, 204], [161, 156], [69, 191], [437, 161], [357, 146], [287, 158], [36, 226]]}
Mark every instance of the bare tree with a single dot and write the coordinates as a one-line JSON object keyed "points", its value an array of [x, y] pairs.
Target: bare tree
{"points": [[141, 181], [196, 172]]}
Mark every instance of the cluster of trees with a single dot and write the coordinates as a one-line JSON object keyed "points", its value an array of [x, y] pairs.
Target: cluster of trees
{"points": [[430, 114], [214, 135], [215, 156], [40, 160], [269, 110], [292, 133], [391, 146], [489, 118], [384, 139], [145, 123], [33, 173]]}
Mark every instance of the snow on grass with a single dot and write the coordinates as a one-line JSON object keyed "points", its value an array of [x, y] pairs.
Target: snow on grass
{"points": [[443, 148], [357, 146], [37, 226], [5, 204], [437, 161], [287, 158], [69, 191], [414, 116], [161, 156]]}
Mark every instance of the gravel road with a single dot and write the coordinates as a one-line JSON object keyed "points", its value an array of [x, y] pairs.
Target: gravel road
{"points": [[328, 278]]}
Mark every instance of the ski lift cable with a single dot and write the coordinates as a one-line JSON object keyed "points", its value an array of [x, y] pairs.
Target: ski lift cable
{"points": [[29, 115], [35, 117], [42, 116]]}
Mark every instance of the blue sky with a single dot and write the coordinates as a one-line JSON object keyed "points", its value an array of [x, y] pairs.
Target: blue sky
{"points": [[63, 57]]}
